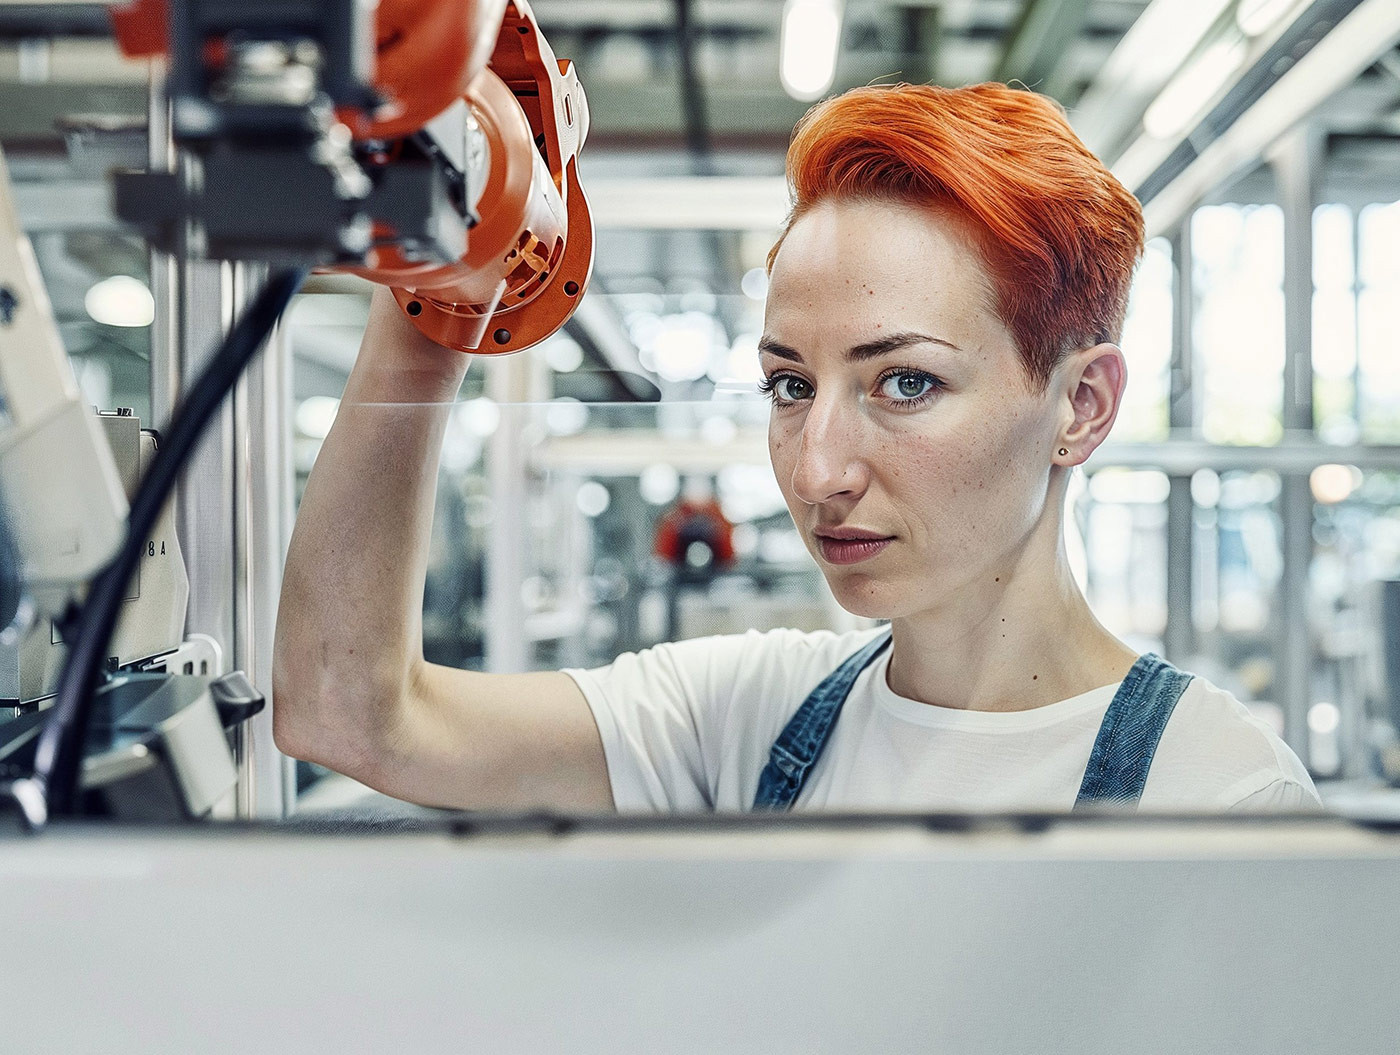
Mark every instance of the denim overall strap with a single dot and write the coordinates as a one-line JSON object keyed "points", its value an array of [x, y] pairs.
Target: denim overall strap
{"points": [[1131, 730], [805, 737]]}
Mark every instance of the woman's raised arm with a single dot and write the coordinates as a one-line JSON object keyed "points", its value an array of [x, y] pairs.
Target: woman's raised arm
{"points": [[351, 689]]}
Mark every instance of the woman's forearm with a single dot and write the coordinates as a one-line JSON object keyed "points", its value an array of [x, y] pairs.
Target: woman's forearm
{"points": [[349, 627]]}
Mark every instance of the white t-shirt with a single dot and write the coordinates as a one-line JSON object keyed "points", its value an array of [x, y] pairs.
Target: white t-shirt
{"points": [[688, 726]]}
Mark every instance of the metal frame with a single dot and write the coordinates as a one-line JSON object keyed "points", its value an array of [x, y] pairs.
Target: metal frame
{"points": [[234, 505], [1296, 166]]}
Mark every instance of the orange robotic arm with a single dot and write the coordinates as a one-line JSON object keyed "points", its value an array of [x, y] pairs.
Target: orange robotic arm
{"points": [[469, 87]]}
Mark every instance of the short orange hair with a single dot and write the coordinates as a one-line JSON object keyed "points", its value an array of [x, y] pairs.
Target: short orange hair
{"points": [[1059, 235]]}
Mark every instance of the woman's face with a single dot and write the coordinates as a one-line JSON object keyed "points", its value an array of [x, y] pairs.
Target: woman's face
{"points": [[902, 412]]}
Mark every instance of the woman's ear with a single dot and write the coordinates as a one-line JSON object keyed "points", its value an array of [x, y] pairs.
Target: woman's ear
{"points": [[1093, 381]]}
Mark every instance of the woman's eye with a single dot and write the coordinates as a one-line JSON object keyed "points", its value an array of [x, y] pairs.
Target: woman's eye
{"points": [[791, 389], [902, 387]]}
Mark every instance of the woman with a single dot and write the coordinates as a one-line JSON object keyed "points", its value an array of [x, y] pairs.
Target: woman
{"points": [[939, 352]]}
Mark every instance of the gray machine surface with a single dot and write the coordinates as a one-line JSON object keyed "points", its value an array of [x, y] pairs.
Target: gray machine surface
{"points": [[1087, 937], [153, 617]]}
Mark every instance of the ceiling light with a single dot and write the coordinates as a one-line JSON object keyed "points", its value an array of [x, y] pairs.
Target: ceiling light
{"points": [[811, 38], [1194, 86], [121, 301], [1256, 17]]}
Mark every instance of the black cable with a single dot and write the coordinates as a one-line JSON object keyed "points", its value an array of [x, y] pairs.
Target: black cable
{"points": [[58, 757]]}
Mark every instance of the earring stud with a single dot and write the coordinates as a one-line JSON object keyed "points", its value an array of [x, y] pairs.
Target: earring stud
{"points": [[1064, 451]]}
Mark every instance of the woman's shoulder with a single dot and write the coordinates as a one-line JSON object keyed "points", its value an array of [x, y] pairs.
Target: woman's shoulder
{"points": [[1216, 743]]}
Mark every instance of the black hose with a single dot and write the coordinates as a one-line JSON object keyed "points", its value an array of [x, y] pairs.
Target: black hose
{"points": [[59, 752]]}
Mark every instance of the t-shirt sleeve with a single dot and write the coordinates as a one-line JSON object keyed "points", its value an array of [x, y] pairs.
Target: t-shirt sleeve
{"points": [[660, 714], [1279, 796]]}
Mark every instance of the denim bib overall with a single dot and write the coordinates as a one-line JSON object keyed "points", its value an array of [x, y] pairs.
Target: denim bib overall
{"points": [[1118, 764]]}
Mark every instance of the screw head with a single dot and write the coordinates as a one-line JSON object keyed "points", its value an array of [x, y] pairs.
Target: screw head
{"points": [[501, 336]]}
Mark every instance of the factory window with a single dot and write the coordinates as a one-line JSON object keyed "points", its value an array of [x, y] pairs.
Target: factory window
{"points": [[1147, 345], [1238, 284], [1378, 322], [1334, 324]]}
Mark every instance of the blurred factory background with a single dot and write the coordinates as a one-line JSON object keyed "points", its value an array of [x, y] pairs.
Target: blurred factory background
{"points": [[610, 488]]}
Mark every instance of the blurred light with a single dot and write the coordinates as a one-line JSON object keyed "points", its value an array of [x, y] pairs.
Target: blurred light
{"points": [[717, 430], [699, 555], [1259, 16], [782, 547], [745, 539], [481, 416], [565, 416], [701, 299], [1205, 488], [741, 363], [461, 447], [1124, 486], [1240, 490], [121, 301], [593, 499], [563, 355], [682, 346], [1323, 718], [1159, 42], [315, 415], [811, 38], [1334, 483], [1194, 85], [755, 283], [748, 492], [659, 483]]}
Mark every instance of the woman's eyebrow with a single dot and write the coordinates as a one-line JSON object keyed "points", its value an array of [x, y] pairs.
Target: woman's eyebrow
{"points": [[782, 351], [860, 352], [892, 343]]}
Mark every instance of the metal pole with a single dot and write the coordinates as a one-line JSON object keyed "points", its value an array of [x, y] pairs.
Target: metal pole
{"points": [[1179, 638], [1296, 169], [262, 500], [514, 382], [229, 516]]}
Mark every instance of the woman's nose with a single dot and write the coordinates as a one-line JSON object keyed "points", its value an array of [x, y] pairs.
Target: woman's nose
{"points": [[830, 462]]}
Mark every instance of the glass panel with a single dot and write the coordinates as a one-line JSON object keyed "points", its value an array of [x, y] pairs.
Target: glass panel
{"points": [[1147, 346], [1238, 283], [1378, 323], [1125, 516], [1334, 258], [1379, 363], [98, 282]]}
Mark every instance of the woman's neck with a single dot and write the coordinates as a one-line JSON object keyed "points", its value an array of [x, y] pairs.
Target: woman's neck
{"points": [[1024, 640]]}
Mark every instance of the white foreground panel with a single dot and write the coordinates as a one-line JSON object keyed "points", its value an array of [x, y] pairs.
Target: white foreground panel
{"points": [[1086, 938]]}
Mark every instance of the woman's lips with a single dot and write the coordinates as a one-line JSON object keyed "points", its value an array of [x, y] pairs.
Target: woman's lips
{"points": [[850, 550]]}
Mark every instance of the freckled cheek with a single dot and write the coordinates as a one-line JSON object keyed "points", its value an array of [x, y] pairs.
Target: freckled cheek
{"points": [[951, 485]]}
